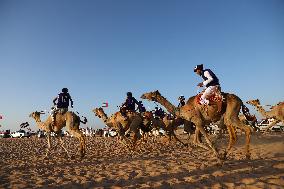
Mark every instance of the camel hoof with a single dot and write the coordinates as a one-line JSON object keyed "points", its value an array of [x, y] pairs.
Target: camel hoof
{"points": [[248, 156]]}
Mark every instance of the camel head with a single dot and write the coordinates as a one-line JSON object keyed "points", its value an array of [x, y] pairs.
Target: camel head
{"points": [[254, 102], [36, 115], [99, 112], [152, 96]]}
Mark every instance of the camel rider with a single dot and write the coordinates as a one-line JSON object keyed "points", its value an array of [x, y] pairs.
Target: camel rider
{"points": [[129, 104], [159, 113], [62, 104], [211, 83], [141, 108], [181, 100]]}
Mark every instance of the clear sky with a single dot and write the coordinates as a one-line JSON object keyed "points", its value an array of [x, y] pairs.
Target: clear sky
{"points": [[101, 49]]}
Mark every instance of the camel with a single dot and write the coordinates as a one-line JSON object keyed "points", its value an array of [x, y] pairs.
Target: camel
{"points": [[276, 112], [68, 119], [166, 124], [117, 121], [200, 116], [134, 122]]}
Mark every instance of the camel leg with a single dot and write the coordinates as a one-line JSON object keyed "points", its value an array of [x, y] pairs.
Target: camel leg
{"points": [[197, 139], [232, 139], [208, 141], [63, 146], [175, 136], [78, 134], [271, 125], [134, 127], [235, 122], [200, 126], [122, 135], [48, 144]]}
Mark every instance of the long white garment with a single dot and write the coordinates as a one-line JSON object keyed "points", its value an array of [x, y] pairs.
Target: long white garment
{"points": [[207, 93]]}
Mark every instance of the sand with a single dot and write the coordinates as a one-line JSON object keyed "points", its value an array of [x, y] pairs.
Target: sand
{"points": [[155, 165]]}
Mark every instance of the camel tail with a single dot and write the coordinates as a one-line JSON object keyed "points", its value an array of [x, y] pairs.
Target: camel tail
{"points": [[248, 116]]}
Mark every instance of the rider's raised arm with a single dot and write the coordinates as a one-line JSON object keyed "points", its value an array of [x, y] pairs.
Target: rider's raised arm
{"points": [[70, 100], [136, 102], [54, 100]]}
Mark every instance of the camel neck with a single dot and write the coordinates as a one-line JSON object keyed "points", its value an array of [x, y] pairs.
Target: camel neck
{"points": [[104, 117], [261, 110], [170, 107]]}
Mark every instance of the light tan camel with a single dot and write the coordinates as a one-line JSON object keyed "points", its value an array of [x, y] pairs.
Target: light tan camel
{"points": [[68, 119], [276, 112], [202, 116], [117, 121]]}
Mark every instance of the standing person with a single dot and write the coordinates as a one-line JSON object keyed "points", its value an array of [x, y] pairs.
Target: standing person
{"points": [[211, 83], [62, 104]]}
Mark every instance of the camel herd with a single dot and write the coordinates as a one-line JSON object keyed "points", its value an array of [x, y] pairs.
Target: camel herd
{"points": [[192, 113]]}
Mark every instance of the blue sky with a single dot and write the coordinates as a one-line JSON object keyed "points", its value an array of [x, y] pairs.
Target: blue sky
{"points": [[102, 49]]}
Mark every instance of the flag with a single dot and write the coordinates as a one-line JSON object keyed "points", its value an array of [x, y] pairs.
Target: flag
{"points": [[105, 104]]}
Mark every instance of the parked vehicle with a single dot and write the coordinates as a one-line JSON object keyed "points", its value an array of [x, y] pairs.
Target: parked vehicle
{"points": [[20, 134], [5, 134], [263, 125]]}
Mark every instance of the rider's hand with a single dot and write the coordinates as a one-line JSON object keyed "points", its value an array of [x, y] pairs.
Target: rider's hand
{"points": [[200, 84]]}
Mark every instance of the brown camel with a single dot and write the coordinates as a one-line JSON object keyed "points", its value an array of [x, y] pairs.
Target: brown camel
{"points": [[276, 112], [166, 124], [68, 119], [202, 116], [117, 121]]}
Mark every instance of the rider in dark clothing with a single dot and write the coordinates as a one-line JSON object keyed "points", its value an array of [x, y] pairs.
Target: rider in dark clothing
{"points": [[63, 99], [159, 113], [62, 104], [129, 104]]}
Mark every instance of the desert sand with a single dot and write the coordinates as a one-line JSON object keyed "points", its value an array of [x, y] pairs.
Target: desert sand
{"points": [[156, 164]]}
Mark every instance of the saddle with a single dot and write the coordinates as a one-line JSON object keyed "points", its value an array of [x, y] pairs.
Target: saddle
{"points": [[215, 98]]}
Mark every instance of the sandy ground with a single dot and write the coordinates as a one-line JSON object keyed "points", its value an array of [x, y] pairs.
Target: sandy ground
{"points": [[155, 165]]}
